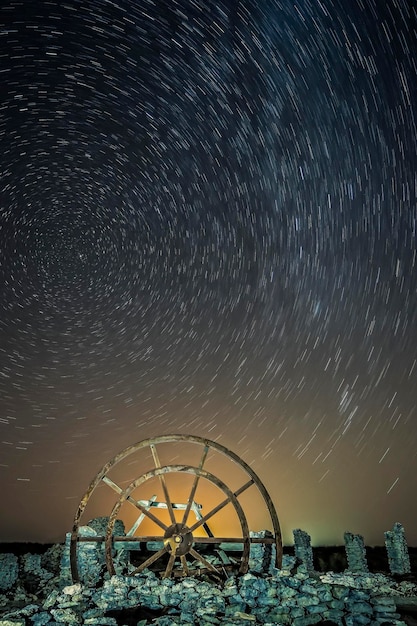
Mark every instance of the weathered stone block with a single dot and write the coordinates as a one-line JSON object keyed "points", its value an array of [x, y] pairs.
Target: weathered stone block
{"points": [[334, 615], [9, 571], [309, 588], [100, 621], [288, 592], [302, 548], [355, 553], [397, 550], [234, 609], [358, 595], [315, 609], [66, 616], [308, 601], [339, 592], [356, 620], [306, 621], [265, 601], [40, 619], [280, 617]]}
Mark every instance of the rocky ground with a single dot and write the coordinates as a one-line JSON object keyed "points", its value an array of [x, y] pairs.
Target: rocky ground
{"points": [[35, 591]]}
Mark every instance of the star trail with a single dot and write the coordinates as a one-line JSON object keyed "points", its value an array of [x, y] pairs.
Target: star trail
{"points": [[208, 226]]}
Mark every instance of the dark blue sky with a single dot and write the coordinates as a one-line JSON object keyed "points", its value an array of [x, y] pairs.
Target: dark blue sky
{"points": [[208, 226]]}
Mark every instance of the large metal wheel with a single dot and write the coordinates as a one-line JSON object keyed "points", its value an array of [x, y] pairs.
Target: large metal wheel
{"points": [[180, 545]]}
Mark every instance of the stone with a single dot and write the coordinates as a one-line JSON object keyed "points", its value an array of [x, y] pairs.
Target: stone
{"points": [[339, 592], [360, 607], [100, 621], [337, 604], [9, 571], [280, 617], [262, 555], [306, 601], [302, 548], [356, 620], [308, 588], [32, 574], [40, 619], [355, 552], [315, 610], [51, 559], [306, 621], [65, 616], [333, 615], [26, 611], [397, 550], [51, 599]]}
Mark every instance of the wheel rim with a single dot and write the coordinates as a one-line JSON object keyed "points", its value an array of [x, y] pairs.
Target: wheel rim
{"points": [[177, 534]]}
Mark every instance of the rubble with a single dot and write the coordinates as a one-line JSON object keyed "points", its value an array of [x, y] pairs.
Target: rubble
{"points": [[294, 595], [299, 599]]}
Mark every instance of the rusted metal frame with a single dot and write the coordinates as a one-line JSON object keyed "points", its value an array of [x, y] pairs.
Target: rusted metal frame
{"points": [[169, 439], [148, 538], [178, 469]]}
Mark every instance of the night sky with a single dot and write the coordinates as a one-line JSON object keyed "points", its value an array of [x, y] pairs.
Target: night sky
{"points": [[208, 226]]}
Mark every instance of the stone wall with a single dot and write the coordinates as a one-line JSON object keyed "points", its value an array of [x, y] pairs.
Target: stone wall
{"points": [[300, 599], [34, 590]]}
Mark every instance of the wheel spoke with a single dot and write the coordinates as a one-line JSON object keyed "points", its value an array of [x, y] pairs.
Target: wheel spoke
{"points": [[107, 481], [194, 487], [222, 504], [163, 483], [140, 519], [170, 566], [184, 565], [147, 513], [206, 563], [149, 561]]}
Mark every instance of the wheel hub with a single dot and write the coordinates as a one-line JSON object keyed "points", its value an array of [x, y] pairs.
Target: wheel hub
{"points": [[178, 539]]}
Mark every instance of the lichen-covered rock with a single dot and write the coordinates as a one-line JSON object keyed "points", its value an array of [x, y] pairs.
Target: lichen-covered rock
{"points": [[211, 602], [9, 571], [66, 616], [40, 619], [299, 599], [397, 550], [51, 599], [306, 621], [100, 621], [302, 548], [262, 555], [355, 552], [51, 559]]}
